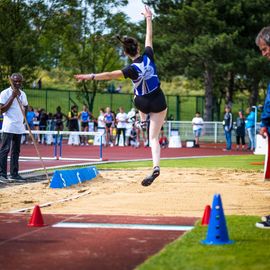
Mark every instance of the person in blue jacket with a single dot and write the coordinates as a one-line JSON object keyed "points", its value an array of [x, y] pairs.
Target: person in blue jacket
{"points": [[149, 99], [250, 126], [263, 42]]}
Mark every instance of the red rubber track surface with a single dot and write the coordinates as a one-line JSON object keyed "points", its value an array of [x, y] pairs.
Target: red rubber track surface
{"points": [[23, 247]]}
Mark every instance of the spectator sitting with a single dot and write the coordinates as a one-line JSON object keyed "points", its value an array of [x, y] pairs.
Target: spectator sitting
{"points": [[163, 141], [133, 137]]}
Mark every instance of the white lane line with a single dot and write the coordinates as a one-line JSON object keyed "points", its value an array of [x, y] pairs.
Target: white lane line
{"points": [[77, 225]]}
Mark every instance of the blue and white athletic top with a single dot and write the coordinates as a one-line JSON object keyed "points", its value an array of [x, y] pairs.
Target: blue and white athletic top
{"points": [[85, 116], [108, 117], [143, 73]]}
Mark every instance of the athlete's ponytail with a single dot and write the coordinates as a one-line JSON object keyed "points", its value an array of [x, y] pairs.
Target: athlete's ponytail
{"points": [[130, 45]]}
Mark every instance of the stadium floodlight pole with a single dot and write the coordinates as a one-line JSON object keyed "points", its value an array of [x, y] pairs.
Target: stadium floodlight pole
{"points": [[29, 130]]}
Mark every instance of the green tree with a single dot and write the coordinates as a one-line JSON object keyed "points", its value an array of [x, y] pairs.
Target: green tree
{"points": [[18, 41]]}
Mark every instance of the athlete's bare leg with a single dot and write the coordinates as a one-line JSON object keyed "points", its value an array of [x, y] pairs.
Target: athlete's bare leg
{"points": [[156, 122]]}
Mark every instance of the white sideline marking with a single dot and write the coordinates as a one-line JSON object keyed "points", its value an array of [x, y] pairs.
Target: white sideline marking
{"points": [[122, 226]]}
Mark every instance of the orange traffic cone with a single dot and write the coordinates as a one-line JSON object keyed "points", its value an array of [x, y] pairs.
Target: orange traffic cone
{"points": [[206, 215], [36, 219]]}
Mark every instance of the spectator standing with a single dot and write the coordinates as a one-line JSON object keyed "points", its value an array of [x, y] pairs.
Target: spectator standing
{"points": [[240, 130], [227, 126], [101, 120], [39, 83], [109, 120], [36, 122], [73, 124], [250, 126], [43, 119], [197, 125], [30, 117], [121, 121], [58, 118], [84, 117], [130, 122], [13, 127]]}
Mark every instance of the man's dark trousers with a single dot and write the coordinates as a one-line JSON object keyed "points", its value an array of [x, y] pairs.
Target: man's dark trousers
{"points": [[9, 139]]}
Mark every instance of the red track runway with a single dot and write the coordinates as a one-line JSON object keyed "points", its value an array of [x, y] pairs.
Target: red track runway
{"points": [[22, 247], [115, 153]]}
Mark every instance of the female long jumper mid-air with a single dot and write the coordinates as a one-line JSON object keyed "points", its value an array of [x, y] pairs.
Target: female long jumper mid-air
{"points": [[149, 98]]}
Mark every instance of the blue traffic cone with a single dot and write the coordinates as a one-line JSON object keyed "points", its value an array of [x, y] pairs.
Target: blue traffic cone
{"points": [[217, 233]]}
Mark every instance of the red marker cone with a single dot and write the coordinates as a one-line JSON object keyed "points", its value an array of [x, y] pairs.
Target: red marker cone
{"points": [[36, 219], [206, 215]]}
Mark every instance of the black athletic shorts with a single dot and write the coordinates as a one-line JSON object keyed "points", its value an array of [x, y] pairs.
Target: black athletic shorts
{"points": [[84, 124], [153, 102]]}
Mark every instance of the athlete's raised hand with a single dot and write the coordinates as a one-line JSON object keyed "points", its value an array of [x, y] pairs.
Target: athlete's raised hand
{"points": [[147, 12], [148, 37]]}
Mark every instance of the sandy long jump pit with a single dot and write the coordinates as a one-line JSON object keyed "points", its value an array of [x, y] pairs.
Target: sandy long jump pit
{"points": [[177, 192]]}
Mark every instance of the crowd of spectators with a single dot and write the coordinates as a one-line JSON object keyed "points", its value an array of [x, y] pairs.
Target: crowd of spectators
{"points": [[123, 128], [120, 128], [244, 125]]}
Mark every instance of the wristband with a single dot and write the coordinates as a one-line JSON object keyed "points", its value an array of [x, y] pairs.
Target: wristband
{"points": [[92, 76]]}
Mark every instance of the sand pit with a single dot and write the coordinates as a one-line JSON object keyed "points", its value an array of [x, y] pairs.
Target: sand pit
{"points": [[177, 192]]}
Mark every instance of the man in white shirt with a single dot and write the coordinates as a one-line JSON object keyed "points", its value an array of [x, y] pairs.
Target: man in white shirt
{"points": [[197, 123], [13, 127], [121, 120]]}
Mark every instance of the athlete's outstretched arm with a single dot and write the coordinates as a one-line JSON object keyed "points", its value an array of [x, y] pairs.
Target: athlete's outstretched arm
{"points": [[149, 33], [104, 76]]}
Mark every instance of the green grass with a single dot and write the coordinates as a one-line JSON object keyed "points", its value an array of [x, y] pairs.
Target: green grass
{"points": [[229, 162], [249, 252]]}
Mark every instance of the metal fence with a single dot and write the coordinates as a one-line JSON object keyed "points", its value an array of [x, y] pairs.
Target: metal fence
{"points": [[211, 132]]}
